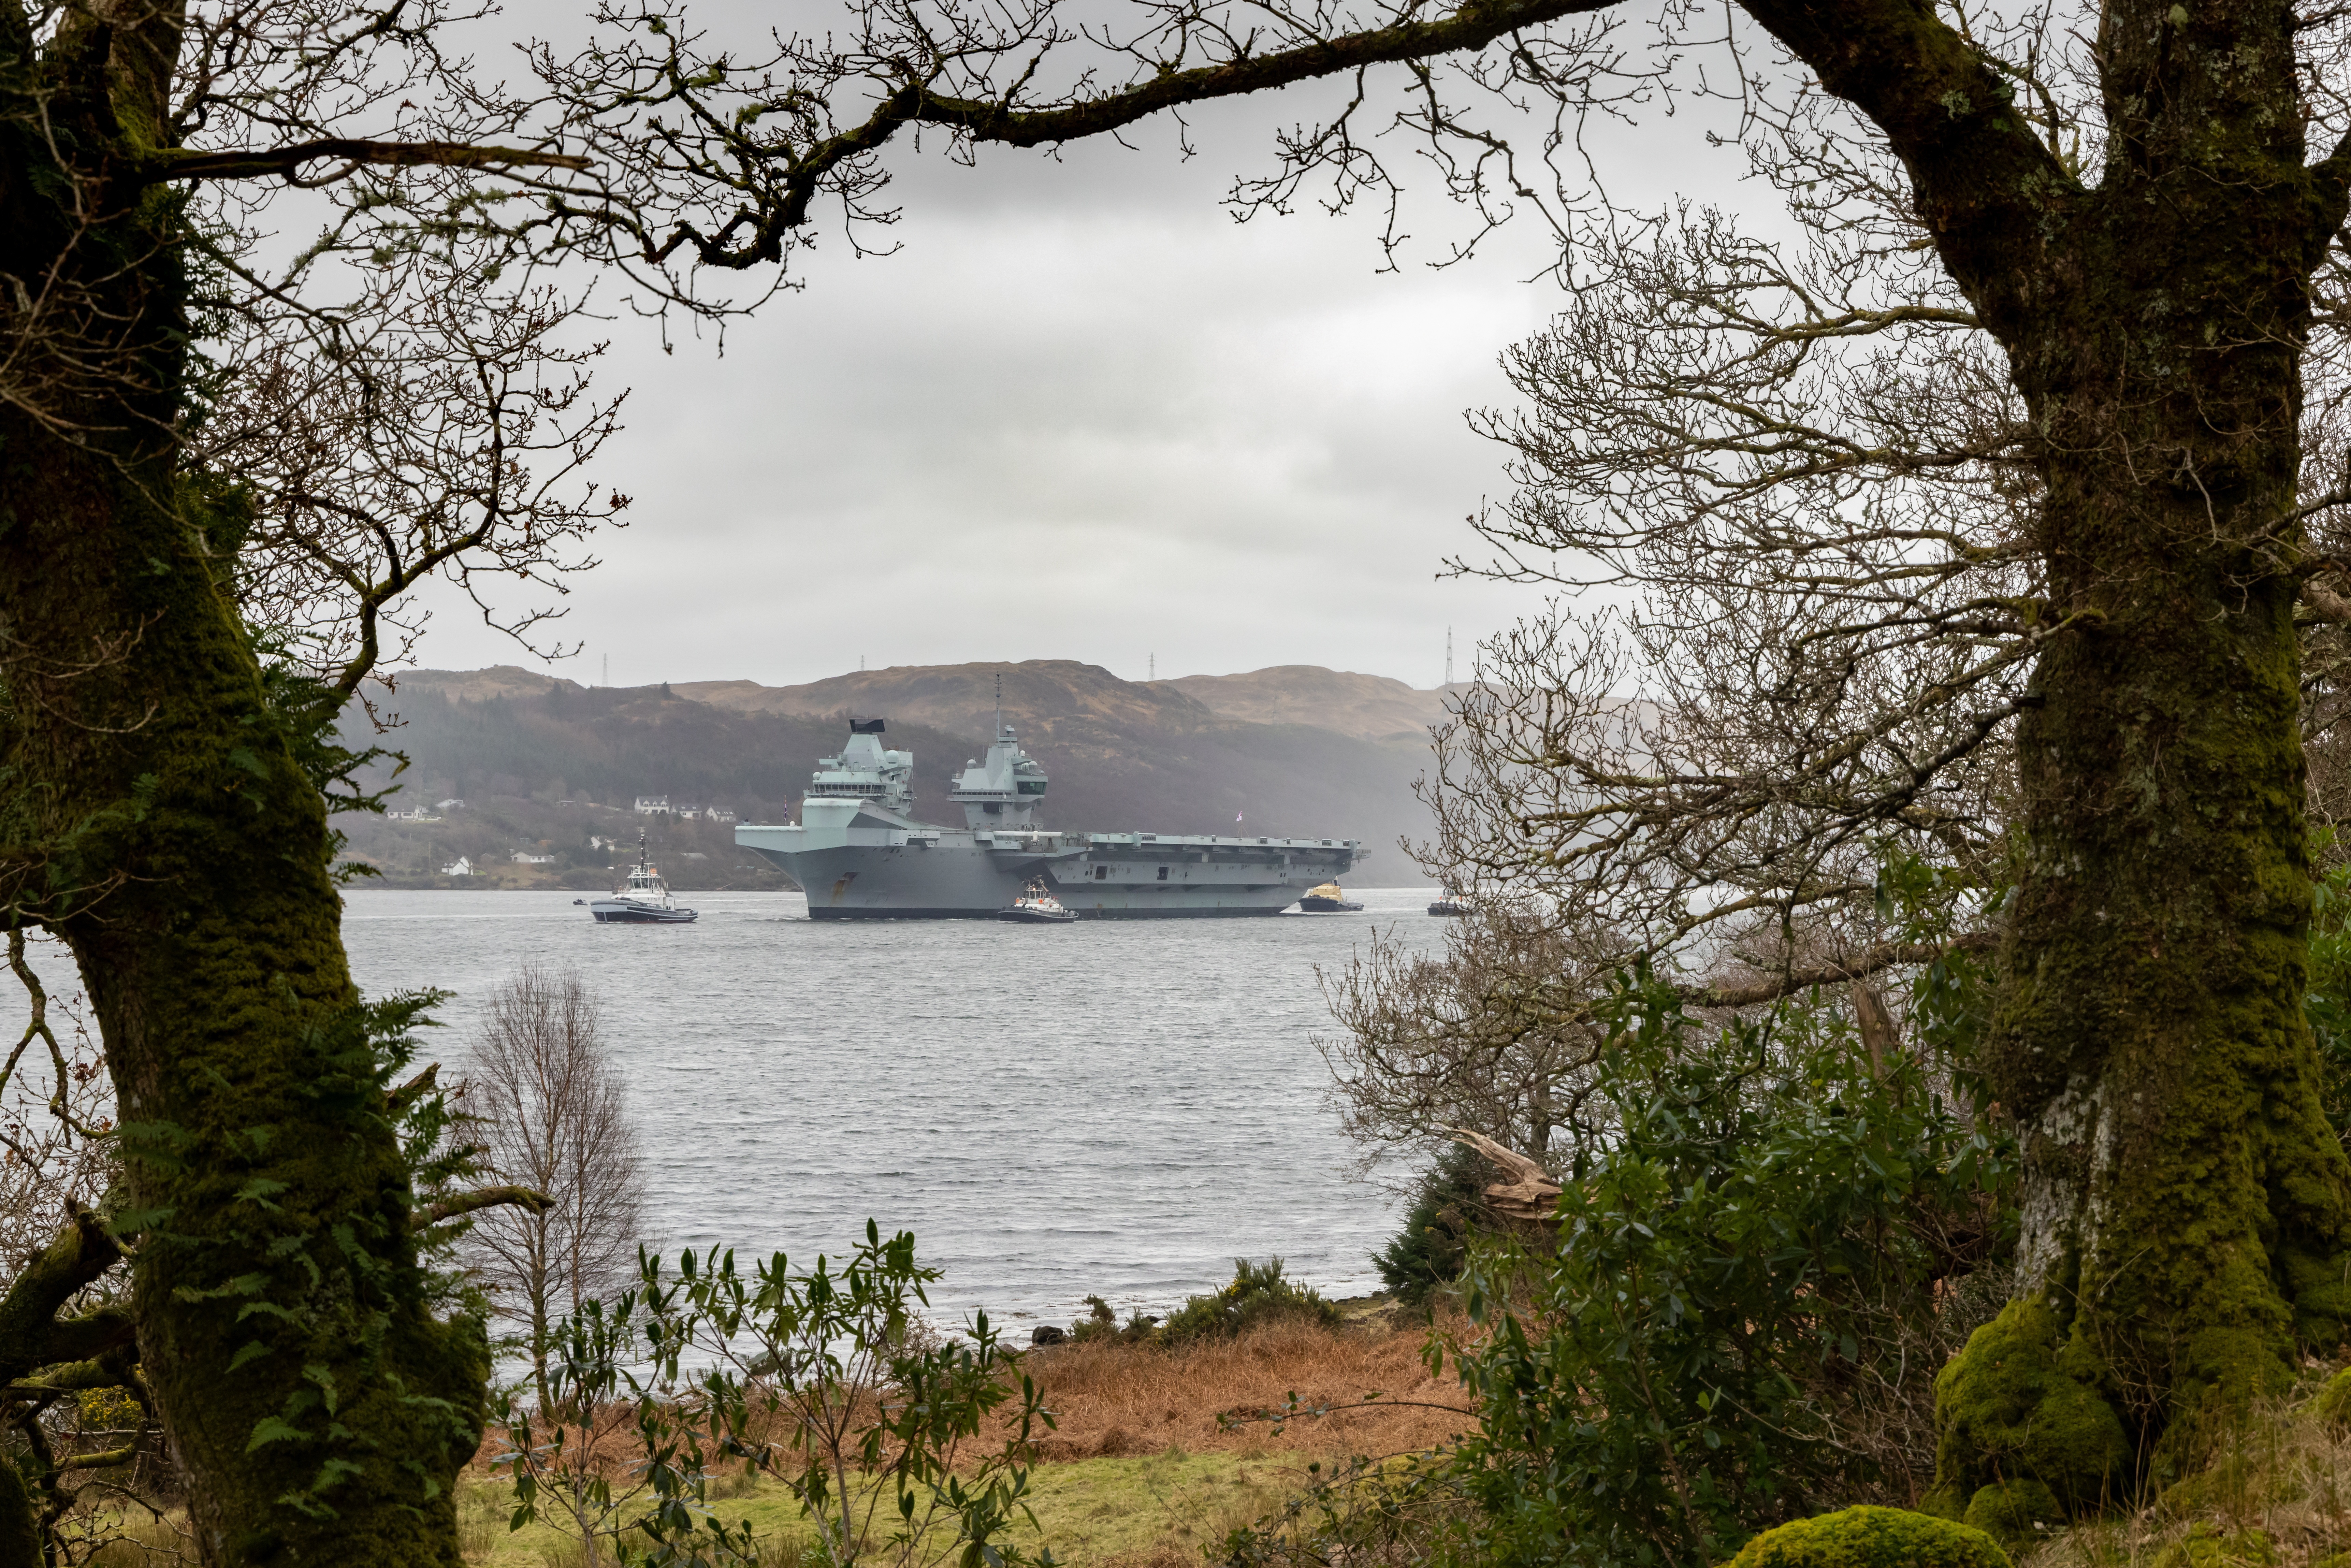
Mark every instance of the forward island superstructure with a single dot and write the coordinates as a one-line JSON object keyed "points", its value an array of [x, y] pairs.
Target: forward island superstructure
{"points": [[860, 853]]}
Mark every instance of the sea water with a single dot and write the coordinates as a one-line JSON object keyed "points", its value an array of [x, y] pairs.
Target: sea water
{"points": [[1113, 1107]]}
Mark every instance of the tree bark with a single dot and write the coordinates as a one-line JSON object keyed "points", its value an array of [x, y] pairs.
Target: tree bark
{"points": [[2184, 1197]]}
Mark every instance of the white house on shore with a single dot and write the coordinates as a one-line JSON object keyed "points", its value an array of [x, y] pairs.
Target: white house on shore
{"points": [[461, 866], [652, 805], [524, 857]]}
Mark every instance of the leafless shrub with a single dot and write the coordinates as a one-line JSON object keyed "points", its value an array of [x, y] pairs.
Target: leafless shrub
{"points": [[1494, 1034], [553, 1118]]}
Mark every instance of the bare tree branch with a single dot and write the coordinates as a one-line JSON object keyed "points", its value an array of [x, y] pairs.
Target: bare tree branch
{"points": [[351, 152], [474, 1202]]}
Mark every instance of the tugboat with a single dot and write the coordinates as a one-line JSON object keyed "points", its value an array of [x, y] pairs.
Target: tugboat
{"points": [[645, 901], [1327, 899], [1452, 903], [1037, 906]]}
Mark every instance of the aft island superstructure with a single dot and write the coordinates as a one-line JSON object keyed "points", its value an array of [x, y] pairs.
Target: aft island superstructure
{"points": [[860, 853]]}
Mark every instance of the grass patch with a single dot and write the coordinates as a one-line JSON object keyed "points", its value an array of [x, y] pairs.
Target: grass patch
{"points": [[1157, 1509], [1116, 1400], [2276, 1494]]}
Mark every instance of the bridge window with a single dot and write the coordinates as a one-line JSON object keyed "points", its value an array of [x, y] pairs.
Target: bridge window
{"points": [[1162, 874], [1101, 873]]}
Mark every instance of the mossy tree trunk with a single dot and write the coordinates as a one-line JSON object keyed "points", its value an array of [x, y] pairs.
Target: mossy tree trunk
{"points": [[155, 816], [2185, 1198], [315, 1402], [2185, 1202]]}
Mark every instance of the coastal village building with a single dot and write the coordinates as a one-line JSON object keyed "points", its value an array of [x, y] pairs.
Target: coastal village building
{"points": [[461, 866]]}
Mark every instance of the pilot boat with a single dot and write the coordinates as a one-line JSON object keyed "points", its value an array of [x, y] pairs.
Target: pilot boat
{"points": [[1036, 906], [1452, 903], [643, 900], [1327, 899]]}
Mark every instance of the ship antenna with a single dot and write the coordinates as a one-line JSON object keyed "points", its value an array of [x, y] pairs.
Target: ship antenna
{"points": [[641, 849], [1000, 704]]}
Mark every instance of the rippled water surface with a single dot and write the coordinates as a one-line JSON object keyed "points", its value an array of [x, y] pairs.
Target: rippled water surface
{"points": [[1112, 1106]]}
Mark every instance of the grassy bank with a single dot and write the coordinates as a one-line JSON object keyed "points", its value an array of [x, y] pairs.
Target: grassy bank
{"points": [[1152, 1513], [1154, 1456], [1141, 1475]]}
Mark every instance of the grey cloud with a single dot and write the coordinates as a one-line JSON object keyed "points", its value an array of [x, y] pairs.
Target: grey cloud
{"points": [[1082, 414]]}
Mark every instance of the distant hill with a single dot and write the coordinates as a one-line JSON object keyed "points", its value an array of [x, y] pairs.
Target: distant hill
{"points": [[1370, 707], [1167, 756]]}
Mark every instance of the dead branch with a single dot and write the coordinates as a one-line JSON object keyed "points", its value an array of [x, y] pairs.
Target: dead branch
{"points": [[1530, 1194]]}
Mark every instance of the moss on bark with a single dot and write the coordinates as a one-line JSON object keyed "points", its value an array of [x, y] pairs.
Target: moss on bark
{"points": [[2187, 1208], [2026, 1401], [2015, 1513]]}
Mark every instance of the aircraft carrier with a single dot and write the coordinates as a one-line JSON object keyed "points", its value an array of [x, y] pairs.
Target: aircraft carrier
{"points": [[860, 855]]}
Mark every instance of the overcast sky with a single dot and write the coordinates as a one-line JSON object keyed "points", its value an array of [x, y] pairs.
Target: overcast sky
{"points": [[1081, 413]]}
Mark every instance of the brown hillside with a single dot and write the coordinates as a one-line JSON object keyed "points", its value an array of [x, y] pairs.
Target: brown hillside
{"points": [[1370, 707], [961, 698], [1122, 755], [476, 685]]}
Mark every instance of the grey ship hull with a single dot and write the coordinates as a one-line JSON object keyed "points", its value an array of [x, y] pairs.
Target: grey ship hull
{"points": [[943, 873], [859, 856]]}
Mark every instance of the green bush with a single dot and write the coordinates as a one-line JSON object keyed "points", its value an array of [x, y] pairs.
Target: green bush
{"points": [[1359, 1510], [905, 1447], [1431, 1249], [1872, 1538], [1102, 1323], [1258, 1296], [1750, 1240]]}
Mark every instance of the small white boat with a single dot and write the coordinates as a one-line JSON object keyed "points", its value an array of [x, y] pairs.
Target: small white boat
{"points": [[1037, 906], [643, 900]]}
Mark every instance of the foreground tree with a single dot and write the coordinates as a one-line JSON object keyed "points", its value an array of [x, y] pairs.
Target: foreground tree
{"points": [[201, 551]]}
